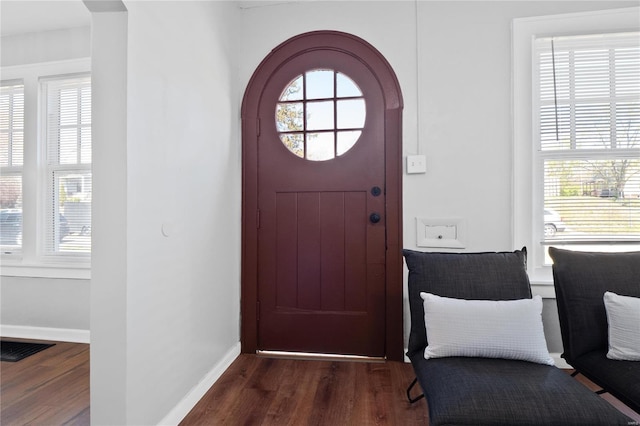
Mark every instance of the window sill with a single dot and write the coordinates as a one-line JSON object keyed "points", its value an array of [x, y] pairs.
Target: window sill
{"points": [[542, 282], [75, 272], [545, 289]]}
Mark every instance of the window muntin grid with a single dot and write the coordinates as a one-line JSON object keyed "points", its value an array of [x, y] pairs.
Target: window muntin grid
{"points": [[320, 115]]}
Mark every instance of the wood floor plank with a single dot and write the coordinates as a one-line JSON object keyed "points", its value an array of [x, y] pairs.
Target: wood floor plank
{"points": [[52, 388], [608, 397], [293, 406], [220, 400], [291, 392], [331, 400], [401, 377], [300, 392]]}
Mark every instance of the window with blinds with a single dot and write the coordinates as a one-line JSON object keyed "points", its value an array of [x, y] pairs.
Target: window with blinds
{"points": [[68, 164], [588, 126], [11, 161]]}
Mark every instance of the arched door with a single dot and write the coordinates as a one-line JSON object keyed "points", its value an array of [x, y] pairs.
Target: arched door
{"points": [[317, 218]]}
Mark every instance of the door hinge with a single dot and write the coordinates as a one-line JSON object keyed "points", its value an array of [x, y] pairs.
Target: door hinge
{"points": [[258, 310], [257, 219]]}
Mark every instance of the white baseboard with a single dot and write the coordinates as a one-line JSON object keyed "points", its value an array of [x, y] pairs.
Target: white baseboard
{"points": [[45, 333], [179, 412]]}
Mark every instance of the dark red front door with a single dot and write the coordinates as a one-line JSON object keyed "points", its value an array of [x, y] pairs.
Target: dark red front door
{"points": [[321, 202]]}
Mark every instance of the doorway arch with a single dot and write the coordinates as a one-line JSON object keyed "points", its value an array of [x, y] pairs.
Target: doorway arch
{"points": [[314, 45]]}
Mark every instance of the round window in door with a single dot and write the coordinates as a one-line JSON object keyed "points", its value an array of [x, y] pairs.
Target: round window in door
{"points": [[320, 115]]}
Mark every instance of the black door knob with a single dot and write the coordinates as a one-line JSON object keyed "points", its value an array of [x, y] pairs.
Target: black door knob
{"points": [[376, 191], [374, 218]]}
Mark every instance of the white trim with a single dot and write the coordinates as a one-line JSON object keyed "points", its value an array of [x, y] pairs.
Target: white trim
{"points": [[47, 201], [46, 68], [524, 188], [30, 261], [45, 333], [178, 413], [11, 269], [545, 290]]}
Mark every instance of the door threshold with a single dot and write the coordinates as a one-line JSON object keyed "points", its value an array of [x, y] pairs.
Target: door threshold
{"points": [[311, 356]]}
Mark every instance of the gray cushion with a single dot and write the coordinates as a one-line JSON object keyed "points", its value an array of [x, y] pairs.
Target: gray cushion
{"points": [[622, 378], [580, 280], [483, 276], [484, 391]]}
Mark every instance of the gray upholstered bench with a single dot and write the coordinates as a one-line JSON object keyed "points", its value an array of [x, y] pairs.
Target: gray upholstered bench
{"points": [[580, 280], [462, 390]]}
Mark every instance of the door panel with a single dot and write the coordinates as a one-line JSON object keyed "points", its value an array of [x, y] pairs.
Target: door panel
{"points": [[320, 252], [317, 275], [321, 269]]}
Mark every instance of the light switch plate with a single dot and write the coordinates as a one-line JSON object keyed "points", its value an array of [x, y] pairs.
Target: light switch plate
{"points": [[416, 164], [441, 232]]}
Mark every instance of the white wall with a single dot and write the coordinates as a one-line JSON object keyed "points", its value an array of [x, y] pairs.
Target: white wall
{"points": [[166, 253], [183, 200], [453, 61], [109, 319], [45, 303], [172, 309], [55, 45], [36, 305]]}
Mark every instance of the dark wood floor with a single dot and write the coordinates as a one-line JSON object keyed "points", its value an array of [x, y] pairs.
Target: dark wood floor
{"points": [[52, 388], [608, 397], [264, 391], [48, 388]]}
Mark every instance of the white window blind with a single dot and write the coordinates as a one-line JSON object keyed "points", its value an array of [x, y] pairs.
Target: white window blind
{"points": [[588, 126], [68, 151], [11, 161]]}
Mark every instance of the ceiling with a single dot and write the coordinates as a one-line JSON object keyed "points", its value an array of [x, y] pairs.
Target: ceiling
{"points": [[28, 16]]}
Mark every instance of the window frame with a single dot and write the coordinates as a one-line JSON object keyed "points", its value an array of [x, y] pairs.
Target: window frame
{"points": [[32, 261], [581, 144], [11, 169], [527, 209], [304, 101], [48, 168]]}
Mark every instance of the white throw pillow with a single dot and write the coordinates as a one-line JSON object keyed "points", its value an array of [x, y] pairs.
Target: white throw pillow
{"points": [[510, 329], [623, 316]]}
